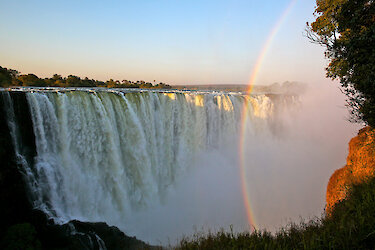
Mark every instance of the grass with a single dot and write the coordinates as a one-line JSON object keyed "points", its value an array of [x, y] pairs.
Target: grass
{"points": [[351, 225]]}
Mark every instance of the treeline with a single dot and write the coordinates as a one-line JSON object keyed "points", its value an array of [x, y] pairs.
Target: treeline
{"points": [[11, 77]]}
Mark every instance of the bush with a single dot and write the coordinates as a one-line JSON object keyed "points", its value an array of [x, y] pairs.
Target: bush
{"points": [[20, 236]]}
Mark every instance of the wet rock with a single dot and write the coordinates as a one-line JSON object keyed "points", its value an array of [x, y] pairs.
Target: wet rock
{"points": [[24, 227]]}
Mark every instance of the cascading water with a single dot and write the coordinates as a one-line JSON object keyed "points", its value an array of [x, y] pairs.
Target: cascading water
{"points": [[102, 155]]}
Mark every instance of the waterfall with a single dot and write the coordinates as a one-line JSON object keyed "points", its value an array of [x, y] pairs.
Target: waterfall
{"points": [[100, 155]]}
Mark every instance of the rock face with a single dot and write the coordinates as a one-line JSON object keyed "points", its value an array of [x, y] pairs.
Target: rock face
{"points": [[15, 207], [359, 167]]}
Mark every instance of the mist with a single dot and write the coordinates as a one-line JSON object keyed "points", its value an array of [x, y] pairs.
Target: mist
{"points": [[288, 165], [288, 172]]}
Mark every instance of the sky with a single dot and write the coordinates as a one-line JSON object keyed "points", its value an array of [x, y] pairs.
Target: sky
{"points": [[176, 42]]}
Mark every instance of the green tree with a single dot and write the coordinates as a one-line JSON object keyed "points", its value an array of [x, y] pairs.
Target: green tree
{"points": [[145, 85], [111, 83], [73, 81], [56, 77], [346, 28], [8, 77], [31, 80]]}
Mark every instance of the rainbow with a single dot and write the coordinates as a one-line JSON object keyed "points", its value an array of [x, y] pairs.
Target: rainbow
{"points": [[253, 77]]}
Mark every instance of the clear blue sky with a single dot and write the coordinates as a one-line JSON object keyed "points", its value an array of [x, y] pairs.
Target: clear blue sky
{"points": [[175, 41]]}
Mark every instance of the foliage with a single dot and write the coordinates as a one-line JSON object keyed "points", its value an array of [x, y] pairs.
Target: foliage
{"points": [[10, 77], [20, 236], [347, 29], [350, 226], [31, 80]]}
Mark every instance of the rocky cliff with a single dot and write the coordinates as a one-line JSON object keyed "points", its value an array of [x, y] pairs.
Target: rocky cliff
{"points": [[22, 226], [359, 167]]}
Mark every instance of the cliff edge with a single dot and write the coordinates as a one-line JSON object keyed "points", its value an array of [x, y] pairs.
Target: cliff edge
{"points": [[360, 165]]}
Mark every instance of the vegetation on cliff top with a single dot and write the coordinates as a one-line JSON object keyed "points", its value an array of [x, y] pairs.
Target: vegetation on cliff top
{"points": [[11, 77], [346, 28]]}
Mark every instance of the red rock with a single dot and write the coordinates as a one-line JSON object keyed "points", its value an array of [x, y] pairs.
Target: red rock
{"points": [[360, 165]]}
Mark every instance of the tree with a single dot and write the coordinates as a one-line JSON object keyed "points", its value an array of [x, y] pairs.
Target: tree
{"points": [[73, 81], [8, 77], [111, 83], [31, 80], [56, 77], [346, 28]]}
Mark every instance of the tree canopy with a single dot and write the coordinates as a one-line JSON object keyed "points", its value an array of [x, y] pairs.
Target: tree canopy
{"points": [[10, 77], [347, 29]]}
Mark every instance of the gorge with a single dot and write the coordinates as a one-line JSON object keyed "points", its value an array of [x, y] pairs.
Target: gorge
{"points": [[122, 156]]}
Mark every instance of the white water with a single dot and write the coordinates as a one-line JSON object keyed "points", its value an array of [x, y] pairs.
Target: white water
{"points": [[160, 165], [119, 157]]}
